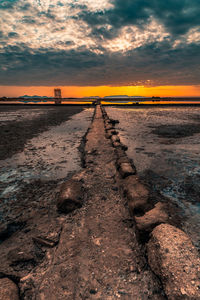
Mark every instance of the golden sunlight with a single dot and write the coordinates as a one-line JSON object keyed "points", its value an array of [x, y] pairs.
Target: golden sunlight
{"points": [[102, 91]]}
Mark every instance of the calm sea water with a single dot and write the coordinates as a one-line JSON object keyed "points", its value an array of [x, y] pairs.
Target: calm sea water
{"points": [[164, 144]]}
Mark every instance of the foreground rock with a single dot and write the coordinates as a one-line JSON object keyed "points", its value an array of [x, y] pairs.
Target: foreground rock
{"points": [[175, 260], [71, 196], [154, 217], [8, 290], [136, 192]]}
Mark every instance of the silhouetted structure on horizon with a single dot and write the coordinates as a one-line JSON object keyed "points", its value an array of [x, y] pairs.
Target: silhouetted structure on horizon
{"points": [[57, 96]]}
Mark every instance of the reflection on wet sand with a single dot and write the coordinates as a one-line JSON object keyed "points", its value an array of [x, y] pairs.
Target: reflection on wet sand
{"points": [[52, 155], [164, 144]]}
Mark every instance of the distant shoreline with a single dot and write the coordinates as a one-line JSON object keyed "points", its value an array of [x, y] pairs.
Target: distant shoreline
{"points": [[124, 102]]}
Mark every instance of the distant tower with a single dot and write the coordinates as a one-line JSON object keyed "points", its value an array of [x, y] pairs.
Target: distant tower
{"points": [[57, 96]]}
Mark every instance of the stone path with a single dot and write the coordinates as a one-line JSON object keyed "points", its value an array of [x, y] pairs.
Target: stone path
{"points": [[98, 256]]}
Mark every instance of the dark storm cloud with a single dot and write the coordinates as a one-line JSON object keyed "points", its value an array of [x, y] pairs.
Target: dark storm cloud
{"points": [[56, 57], [161, 65], [178, 16]]}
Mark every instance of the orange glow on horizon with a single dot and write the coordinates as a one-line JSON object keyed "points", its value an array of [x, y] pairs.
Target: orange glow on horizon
{"points": [[102, 91]]}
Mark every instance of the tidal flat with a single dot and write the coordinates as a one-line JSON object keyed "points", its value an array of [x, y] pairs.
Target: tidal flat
{"points": [[39, 149], [43, 242], [164, 145]]}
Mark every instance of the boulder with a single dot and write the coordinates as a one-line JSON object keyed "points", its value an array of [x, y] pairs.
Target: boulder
{"points": [[8, 290], [115, 138], [173, 257], [70, 197], [136, 192], [123, 159], [152, 218], [125, 169]]}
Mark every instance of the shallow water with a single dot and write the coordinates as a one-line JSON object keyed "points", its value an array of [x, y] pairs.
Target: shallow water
{"points": [[52, 155], [20, 115], [164, 144]]}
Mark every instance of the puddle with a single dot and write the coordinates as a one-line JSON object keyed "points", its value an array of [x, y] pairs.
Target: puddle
{"points": [[164, 144]]}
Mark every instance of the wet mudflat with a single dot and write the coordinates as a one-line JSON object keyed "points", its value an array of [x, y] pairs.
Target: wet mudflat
{"points": [[164, 144], [39, 149], [89, 253], [18, 124]]}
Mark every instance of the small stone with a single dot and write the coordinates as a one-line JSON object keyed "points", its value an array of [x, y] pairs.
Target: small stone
{"points": [[108, 135], [112, 132], [109, 127], [112, 121], [115, 138], [93, 291], [115, 188], [123, 159], [116, 144]]}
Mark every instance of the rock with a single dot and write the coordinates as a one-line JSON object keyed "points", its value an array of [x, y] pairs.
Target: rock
{"points": [[138, 204], [136, 192], [70, 197], [108, 135], [109, 126], [123, 159], [115, 138], [8, 290], [112, 121], [125, 169], [173, 257], [116, 144], [120, 152], [112, 132], [124, 147], [154, 217], [80, 175]]}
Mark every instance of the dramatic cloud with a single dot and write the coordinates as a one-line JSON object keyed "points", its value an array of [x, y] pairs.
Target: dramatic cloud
{"points": [[86, 42]]}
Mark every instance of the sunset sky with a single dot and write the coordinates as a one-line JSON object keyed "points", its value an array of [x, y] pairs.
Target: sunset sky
{"points": [[101, 47]]}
